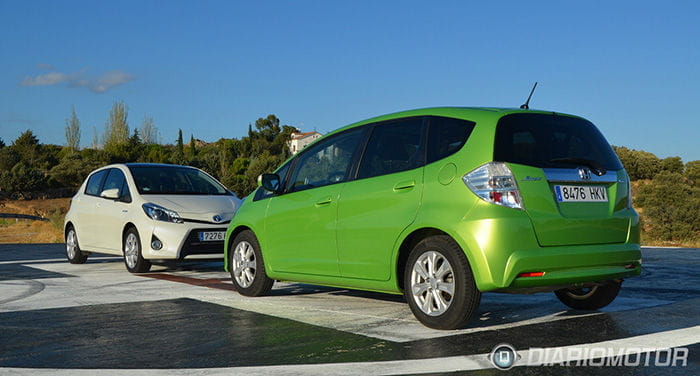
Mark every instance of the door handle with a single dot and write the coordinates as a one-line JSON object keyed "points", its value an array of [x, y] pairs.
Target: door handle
{"points": [[324, 201], [404, 185]]}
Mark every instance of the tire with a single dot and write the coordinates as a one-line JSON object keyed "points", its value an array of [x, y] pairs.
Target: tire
{"points": [[439, 285], [247, 266], [133, 258], [73, 252], [590, 298]]}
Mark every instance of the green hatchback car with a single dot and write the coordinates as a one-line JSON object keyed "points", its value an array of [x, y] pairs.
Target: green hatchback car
{"points": [[442, 204]]}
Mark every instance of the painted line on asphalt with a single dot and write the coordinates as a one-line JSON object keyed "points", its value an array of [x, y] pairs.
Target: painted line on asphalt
{"points": [[39, 261], [213, 283], [635, 345]]}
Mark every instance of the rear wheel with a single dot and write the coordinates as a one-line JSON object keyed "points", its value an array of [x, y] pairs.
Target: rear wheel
{"points": [[73, 252], [133, 259], [439, 285], [590, 298], [247, 266]]}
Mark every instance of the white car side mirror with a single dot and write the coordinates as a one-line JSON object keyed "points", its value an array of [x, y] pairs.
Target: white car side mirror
{"points": [[112, 194]]}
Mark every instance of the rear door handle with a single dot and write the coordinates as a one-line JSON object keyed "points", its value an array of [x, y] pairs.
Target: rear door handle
{"points": [[324, 201], [404, 185]]}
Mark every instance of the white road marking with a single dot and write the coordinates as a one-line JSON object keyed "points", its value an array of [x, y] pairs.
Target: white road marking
{"points": [[383, 319], [667, 339], [39, 261]]}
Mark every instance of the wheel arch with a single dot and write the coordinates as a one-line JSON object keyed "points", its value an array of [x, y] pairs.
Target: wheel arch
{"points": [[127, 226], [407, 245], [68, 225], [231, 237]]}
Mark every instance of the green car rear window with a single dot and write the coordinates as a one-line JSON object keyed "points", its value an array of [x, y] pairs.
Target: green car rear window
{"points": [[551, 141]]}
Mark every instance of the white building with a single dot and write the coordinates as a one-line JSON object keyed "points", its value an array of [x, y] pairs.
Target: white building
{"points": [[299, 140]]}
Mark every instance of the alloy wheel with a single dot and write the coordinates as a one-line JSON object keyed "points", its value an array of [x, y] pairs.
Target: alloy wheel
{"points": [[131, 251], [432, 283], [244, 264], [71, 244]]}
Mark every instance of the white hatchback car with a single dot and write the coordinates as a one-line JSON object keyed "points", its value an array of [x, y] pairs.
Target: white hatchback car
{"points": [[149, 212]]}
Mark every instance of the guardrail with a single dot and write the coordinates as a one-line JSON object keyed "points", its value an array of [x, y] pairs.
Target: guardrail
{"points": [[23, 216]]}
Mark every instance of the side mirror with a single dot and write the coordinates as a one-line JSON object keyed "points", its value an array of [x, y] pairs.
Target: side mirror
{"points": [[112, 194], [270, 182]]}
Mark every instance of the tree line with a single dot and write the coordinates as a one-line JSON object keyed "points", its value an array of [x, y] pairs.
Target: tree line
{"points": [[666, 191], [667, 194], [26, 165]]}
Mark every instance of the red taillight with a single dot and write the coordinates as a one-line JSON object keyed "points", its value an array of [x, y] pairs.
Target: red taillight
{"points": [[494, 183], [530, 274]]}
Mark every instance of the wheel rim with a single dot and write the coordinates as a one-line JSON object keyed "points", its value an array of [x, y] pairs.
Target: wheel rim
{"points": [[582, 293], [71, 244], [432, 283], [244, 264], [131, 250]]}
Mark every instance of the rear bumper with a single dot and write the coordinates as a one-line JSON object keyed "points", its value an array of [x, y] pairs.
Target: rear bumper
{"points": [[500, 244], [568, 266]]}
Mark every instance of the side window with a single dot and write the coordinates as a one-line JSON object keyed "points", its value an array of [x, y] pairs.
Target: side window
{"points": [[447, 136], [116, 179], [95, 182], [393, 147], [326, 162]]}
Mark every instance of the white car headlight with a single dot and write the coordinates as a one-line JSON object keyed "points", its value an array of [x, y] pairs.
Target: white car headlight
{"points": [[159, 213]]}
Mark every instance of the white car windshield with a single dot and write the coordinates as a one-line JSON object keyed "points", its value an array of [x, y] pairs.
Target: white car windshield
{"points": [[174, 180]]}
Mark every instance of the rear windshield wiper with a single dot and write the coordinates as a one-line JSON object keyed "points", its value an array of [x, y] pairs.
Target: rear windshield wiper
{"points": [[595, 167]]}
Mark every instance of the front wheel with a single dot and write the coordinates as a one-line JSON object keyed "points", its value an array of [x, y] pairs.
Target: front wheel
{"points": [[439, 285], [133, 258], [590, 298], [247, 266], [73, 252]]}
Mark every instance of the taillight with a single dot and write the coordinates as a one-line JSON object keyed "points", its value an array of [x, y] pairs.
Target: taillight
{"points": [[494, 183]]}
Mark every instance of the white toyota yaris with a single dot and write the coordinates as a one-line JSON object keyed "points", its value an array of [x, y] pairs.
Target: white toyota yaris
{"points": [[149, 212]]}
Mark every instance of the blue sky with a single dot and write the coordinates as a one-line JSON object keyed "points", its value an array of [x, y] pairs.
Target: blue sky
{"points": [[212, 67]]}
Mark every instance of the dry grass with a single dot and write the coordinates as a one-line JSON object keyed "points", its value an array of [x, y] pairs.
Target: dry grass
{"points": [[21, 231]]}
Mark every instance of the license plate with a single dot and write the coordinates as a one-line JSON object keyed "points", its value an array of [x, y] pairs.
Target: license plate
{"points": [[581, 193], [212, 236]]}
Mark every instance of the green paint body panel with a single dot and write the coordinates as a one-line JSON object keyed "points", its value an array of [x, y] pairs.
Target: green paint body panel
{"points": [[355, 240]]}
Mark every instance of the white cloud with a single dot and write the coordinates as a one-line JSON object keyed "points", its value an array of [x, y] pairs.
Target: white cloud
{"points": [[52, 78], [99, 84], [109, 80]]}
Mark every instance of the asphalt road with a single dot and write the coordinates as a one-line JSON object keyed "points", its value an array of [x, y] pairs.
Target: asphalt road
{"points": [[96, 318]]}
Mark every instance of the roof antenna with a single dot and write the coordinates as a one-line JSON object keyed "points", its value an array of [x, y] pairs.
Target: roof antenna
{"points": [[525, 106]]}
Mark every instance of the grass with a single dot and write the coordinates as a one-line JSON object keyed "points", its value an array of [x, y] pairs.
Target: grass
{"points": [[25, 231]]}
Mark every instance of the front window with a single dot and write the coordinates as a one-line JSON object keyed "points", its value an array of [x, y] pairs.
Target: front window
{"points": [[116, 180], [174, 180], [95, 182], [325, 163]]}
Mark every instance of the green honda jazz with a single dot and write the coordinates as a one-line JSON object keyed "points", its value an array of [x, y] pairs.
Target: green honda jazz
{"points": [[440, 205]]}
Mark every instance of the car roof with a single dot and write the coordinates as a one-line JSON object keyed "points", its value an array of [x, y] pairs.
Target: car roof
{"points": [[140, 164], [477, 114]]}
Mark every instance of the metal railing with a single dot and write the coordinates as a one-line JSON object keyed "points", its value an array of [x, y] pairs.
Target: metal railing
{"points": [[23, 216]]}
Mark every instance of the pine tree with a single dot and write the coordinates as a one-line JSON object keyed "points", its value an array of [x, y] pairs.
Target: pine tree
{"points": [[73, 131]]}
